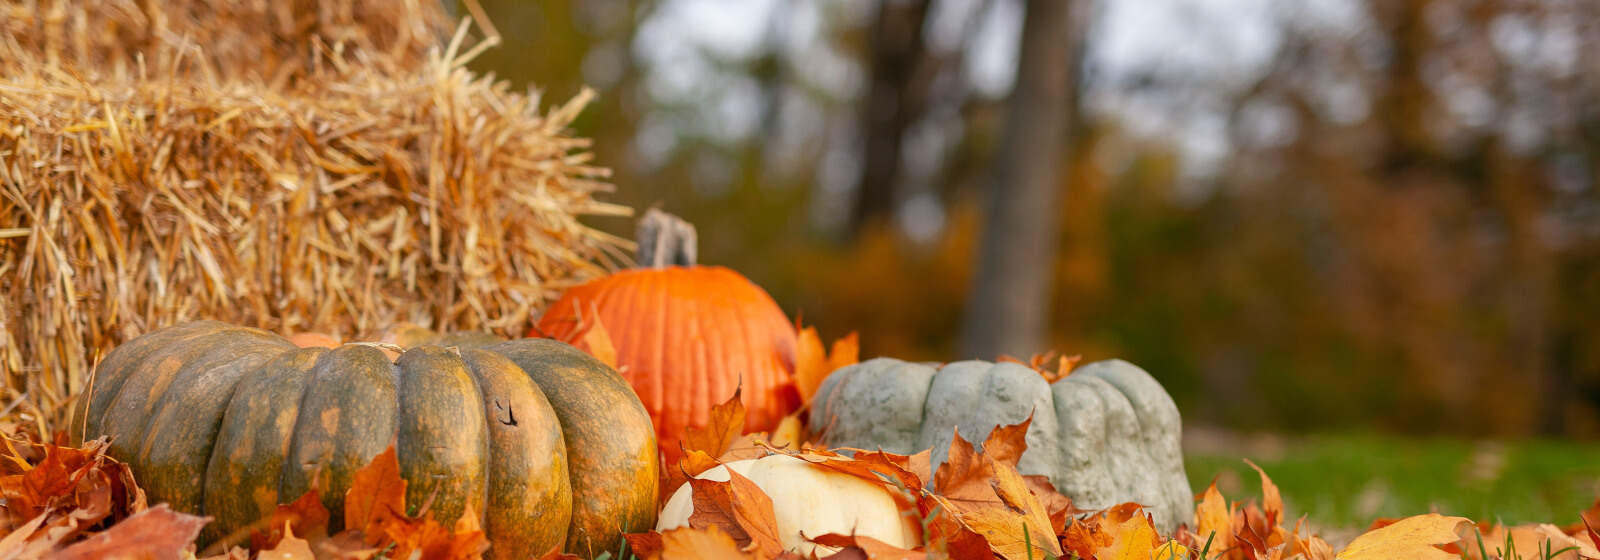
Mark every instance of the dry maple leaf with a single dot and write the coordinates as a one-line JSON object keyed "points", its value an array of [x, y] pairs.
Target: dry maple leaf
{"points": [[1213, 520], [812, 365], [1411, 538], [740, 509], [688, 543], [1021, 529], [305, 516], [1534, 540], [597, 341], [1134, 539], [719, 434], [1271, 499], [157, 532], [377, 496], [288, 547], [644, 545]]}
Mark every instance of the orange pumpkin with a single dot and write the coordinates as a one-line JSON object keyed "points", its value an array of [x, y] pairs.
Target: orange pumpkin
{"points": [[685, 335]]}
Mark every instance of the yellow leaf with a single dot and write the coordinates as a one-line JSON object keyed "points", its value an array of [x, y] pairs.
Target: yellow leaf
{"points": [[1171, 551], [1413, 538], [1135, 539], [790, 432], [1214, 516], [1271, 500], [1022, 525], [597, 340]]}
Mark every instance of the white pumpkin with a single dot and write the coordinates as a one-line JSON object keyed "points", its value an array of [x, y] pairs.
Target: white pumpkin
{"points": [[811, 500]]}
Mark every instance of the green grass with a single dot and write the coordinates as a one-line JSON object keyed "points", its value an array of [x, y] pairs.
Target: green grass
{"points": [[1349, 480]]}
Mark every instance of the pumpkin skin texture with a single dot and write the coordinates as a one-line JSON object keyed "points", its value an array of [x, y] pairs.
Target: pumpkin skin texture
{"points": [[810, 500], [230, 421], [1106, 434], [686, 337]]}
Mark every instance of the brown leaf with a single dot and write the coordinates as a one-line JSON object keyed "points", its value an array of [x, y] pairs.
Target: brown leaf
{"points": [[871, 548], [740, 509], [1271, 500], [1134, 539], [643, 545], [955, 540], [709, 543], [1021, 528], [377, 497], [1415, 537], [725, 426], [49, 483], [157, 532]]}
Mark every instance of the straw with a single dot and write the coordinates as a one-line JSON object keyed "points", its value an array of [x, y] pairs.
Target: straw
{"points": [[293, 166]]}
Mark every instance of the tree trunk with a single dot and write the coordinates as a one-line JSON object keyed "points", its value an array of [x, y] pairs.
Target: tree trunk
{"points": [[1009, 307], [897, 96]]}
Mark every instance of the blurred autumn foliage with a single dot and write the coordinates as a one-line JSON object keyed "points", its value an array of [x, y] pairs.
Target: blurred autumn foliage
{"points": [[1349, 214]]}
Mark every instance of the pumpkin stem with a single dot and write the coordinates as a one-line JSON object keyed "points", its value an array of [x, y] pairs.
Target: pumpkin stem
{"points": [[665, 240]]}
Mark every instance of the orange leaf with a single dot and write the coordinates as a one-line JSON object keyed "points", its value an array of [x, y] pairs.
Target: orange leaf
{"points": [[812, 364], [739, 508], [305, 516], [289, 547], [1413, 538], [725, 426], [157, 532], [870, 548], [1085, 538], [687, 543], [1006, 444], [1134, 539], [377, 496], [1213, 520], [1271, 500], [1021, 528]]}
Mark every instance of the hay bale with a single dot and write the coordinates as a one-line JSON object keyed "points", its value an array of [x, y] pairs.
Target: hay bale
{"points": [[361, 192]]}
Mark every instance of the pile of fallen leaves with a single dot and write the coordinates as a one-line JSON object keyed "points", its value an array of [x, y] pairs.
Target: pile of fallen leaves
{"points": [[64, 502], [76, 503], [978, 506]]}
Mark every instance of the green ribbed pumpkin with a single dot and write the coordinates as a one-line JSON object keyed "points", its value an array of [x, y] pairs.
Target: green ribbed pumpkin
{"points": [[549, 445]]}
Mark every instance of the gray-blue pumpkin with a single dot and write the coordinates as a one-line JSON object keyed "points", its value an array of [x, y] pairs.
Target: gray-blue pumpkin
{"points": [[1106, 434]]}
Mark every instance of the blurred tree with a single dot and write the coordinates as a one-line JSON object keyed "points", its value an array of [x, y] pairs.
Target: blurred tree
{"points": [[897, 96], [1009, 309]]}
